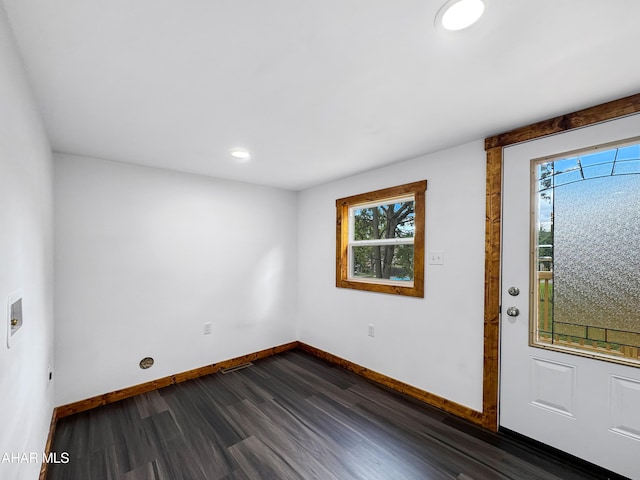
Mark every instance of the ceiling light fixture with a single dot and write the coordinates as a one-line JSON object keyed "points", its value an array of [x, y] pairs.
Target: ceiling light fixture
{"points": [[240, 154], [459, 14]]}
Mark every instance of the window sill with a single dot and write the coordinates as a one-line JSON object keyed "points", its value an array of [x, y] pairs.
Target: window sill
{"points": [[383, 286]]}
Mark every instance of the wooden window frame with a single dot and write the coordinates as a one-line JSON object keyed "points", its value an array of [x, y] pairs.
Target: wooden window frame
{"points": [[415, 189]]}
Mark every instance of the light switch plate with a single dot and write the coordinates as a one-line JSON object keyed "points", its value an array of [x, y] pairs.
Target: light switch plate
{"points": [[436, 257]]}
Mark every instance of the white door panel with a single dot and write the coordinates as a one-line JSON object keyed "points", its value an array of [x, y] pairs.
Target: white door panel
{"points": [[588, 408]]}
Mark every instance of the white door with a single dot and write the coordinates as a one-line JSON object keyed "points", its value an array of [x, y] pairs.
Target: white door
{"points": [[587, 407]]}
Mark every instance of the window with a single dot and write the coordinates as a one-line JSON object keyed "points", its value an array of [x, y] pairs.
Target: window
{"points": [[585, 236], [380, 240]]}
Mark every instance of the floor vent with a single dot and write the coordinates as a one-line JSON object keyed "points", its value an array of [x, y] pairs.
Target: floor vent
{"points": [[224, 371]]}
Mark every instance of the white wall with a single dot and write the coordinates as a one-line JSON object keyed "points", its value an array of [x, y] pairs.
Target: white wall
{"points": [[145, 256], [435, 343], [26, 261]]}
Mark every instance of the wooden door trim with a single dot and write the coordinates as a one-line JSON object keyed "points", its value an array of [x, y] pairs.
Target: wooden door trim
{"points": [[494, 149]]}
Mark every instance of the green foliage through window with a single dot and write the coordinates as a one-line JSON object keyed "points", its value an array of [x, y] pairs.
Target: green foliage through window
{"points": [[388, 221]]}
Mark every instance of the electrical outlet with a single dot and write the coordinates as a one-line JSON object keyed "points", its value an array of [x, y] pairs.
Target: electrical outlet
{"points": [[436, 257], [206, 328], [372, 330]]}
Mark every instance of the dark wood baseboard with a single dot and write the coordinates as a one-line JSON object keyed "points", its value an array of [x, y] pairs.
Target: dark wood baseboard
{"points": [[414, 392], [391, 383], [422, 395], [106, 398]]}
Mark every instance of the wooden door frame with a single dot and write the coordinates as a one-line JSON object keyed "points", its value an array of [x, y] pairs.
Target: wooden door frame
{"points": [[493, 226]]}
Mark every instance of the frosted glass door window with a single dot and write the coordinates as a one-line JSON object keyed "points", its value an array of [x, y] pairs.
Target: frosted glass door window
{"points": [[586, 255]]}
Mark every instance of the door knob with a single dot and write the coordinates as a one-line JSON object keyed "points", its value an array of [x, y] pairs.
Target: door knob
{"points": [[513, 311]]}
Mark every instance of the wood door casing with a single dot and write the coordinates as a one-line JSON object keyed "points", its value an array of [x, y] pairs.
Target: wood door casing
{"points": [[494, 145]]}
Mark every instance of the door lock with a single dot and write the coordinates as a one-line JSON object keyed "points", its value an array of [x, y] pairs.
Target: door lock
{"points": [[514, 291], [513, 311]]}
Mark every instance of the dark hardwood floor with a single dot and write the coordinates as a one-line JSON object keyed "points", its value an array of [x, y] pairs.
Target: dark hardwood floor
{"points": [[290, 416]]}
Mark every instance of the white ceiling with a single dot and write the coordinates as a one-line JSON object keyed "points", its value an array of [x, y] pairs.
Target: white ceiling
{"points": [[317, 90]]}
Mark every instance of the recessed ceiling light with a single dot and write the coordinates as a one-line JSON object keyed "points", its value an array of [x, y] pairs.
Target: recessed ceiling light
{"points": [[240, 154], [459, 14]]}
